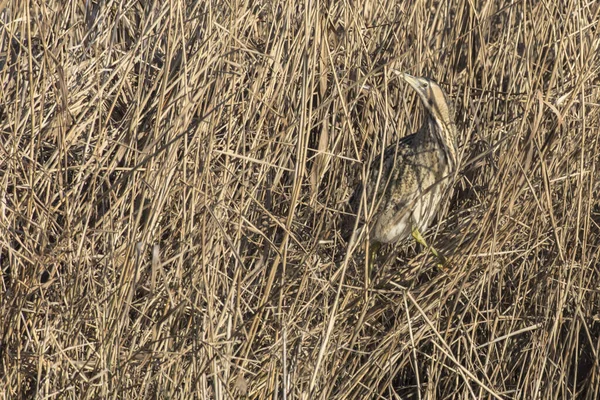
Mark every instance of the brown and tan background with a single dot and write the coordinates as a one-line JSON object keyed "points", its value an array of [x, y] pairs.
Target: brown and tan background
{"points": [[173, 177]]}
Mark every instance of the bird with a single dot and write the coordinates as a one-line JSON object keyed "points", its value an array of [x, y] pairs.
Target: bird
{"points": [[406, 183]]}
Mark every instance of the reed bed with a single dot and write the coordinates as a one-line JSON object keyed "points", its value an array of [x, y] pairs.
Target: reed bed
{"points": [[173, 177]]}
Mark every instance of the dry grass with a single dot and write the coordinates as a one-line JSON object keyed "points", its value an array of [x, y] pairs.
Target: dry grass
{"points": [[173, 179]]}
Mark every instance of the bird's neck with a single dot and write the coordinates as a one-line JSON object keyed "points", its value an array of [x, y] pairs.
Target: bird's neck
{"points": [[444, 136]]}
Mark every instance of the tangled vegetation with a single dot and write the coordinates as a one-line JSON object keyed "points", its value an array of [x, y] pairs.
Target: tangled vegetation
{"points": [[173, 176]]}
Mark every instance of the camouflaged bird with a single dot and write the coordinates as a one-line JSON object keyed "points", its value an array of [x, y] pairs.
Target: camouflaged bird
{"points": [[407, 182]]}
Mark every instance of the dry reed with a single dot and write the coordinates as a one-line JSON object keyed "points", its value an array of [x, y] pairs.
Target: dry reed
{"points": [[173, 176]]}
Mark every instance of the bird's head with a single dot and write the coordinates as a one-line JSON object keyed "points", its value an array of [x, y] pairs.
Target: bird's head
{"points": [[432, 96]]}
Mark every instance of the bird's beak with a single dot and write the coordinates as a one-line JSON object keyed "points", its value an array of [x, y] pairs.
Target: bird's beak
{"points": [[411, 80]]}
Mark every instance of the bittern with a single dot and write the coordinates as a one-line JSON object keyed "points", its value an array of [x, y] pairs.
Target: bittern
{"points": [[407, 182]]}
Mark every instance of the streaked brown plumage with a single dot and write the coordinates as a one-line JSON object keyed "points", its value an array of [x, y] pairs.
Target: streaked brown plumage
{"points": [[411, 178]]}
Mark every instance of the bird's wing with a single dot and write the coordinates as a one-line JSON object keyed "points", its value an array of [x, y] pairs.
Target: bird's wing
{"points": [[384, 170]]}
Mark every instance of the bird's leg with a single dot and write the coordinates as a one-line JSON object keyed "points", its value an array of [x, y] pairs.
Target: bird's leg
{"points": [[373, 249], [417, 235]]}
